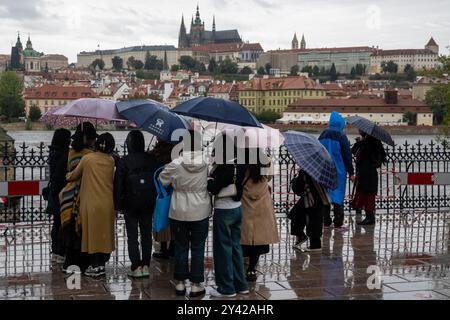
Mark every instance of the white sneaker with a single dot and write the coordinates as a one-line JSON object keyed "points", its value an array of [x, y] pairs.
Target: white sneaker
{"points": [[313, 250], [137, 273], [197, 290], [244, 292], [145, 271], [180, 288], [216, 294], [56, 258]]}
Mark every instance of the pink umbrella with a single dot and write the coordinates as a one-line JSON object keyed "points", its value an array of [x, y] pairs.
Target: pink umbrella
{"points": [[91, 108], [253, 137], [66, 122]]}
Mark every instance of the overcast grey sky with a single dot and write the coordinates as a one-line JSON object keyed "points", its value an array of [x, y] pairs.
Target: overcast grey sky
{"points": [[68, 27]]}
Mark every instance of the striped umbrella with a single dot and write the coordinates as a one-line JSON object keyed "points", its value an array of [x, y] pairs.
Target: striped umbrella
{"points": [[371, 129], [312, 157]]}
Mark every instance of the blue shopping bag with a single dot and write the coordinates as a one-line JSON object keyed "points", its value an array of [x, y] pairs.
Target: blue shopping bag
{"points": [[162, 205]]}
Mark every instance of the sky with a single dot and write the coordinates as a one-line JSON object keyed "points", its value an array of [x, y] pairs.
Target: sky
{"points": [[69, 27]]}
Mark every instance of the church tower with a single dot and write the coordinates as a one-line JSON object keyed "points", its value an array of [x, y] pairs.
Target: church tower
{"points": [[214, 29], [295, 42], [432, 46], [197, 28], [29, 44], [303, 43], [183, 41]]}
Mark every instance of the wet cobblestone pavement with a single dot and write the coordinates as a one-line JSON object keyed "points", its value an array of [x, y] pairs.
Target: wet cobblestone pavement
{"points": [[412, 255]]}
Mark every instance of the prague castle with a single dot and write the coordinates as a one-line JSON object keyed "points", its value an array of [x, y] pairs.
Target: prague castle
{"points": [[199, 36]]}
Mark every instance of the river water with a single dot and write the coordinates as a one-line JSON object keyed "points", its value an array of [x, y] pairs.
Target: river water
{"points": [[34, 138]]}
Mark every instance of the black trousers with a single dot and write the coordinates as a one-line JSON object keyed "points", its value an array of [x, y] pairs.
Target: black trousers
{"points": [[134, 223], [56, 235], [99, 259], [312, 219], [338, 212]]}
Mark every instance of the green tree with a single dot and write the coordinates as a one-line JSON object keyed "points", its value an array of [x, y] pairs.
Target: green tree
{"points": [[138, 64], [438, 99], [175, 68], [445, 60], [353, 73], [261, 71], [389, 67], [98, 63], [333, 73], [411, 74], [315, 71], [148, 61], [212, 66], [246, 70], [34, 114], [117, 63], [410, 118], [308, 69], [130, 63], [12, 104], [187, 63], [295, 69], [268, 66], [268, 116], [228, 67]]}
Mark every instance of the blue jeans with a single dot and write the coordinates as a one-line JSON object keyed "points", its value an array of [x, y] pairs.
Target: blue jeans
{"points": [[189, 235], [228, 260]]}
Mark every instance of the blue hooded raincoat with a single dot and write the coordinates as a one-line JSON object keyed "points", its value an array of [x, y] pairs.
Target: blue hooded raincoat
{"points": [[338, 146]]}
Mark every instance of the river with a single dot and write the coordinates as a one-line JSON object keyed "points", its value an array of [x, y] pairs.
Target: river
{"points": [[34, 138]]}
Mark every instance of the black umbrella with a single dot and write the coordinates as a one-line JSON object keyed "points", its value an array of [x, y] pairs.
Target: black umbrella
{"points": [[371, 129]]}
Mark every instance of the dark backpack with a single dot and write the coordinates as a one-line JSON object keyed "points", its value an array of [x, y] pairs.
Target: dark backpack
{"points": [[141, 192]]}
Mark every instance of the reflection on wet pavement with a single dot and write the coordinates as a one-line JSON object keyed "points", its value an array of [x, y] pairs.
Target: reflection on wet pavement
{"points": [[397, 259]]}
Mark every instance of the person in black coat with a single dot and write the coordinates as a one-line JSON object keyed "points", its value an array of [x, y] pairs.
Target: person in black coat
{"points": [[135, 196], [59, 151], [370, 155], [308, 211]]}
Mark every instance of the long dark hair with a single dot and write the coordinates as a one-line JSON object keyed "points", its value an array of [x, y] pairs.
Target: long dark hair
{"points": [[61, 139], [254, 169], [162, 152], [84, 134], [105, 143]]}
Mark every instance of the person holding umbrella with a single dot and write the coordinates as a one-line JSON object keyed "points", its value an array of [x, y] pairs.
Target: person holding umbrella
{"points": [[317, 172], [135, 194], [338, 146], [370, 155]]}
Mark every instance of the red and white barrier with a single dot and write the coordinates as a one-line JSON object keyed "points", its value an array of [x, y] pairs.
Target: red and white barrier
{"points": [[22, 188], [422, 178]]}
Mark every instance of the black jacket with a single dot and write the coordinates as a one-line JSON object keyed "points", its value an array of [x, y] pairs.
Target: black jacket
{"points": [[58, 170], [134, 190], [223, 175], [370, 155]]}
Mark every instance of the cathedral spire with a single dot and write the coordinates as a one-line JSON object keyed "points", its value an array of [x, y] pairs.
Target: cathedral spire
{"points": [[214, 23], [182, 36], [29, 44], [295, 42], [303, 42], [197, 16]]}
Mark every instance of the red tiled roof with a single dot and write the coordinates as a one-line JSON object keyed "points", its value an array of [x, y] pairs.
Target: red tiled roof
{"points": [[402, 52], [252, 47], [338, 49], [227, 47], [357, 104], [221, 88], [284, 83], [55, 92], [431, 42], [332, 86]]}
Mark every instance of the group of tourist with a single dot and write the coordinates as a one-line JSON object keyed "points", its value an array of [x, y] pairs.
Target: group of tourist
{"points": [[89, 184], [313, 210]]}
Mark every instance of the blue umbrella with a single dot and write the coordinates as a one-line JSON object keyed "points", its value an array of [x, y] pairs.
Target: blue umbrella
{"points": [[217, 110], [371, 129], [312, 157], [153, 117]]}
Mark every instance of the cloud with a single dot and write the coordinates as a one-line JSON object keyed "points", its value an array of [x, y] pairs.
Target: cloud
{"points": [[21, 9]]}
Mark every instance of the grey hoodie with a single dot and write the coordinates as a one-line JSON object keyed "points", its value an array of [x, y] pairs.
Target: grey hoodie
{"points": [[188, 176]]}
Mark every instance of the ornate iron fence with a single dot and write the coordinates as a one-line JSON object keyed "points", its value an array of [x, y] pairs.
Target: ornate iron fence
{"points": [[22, 162]]}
